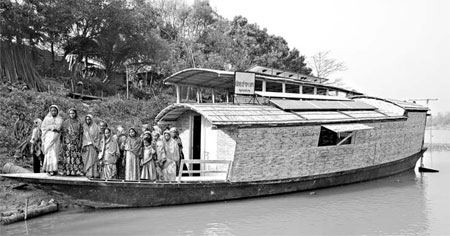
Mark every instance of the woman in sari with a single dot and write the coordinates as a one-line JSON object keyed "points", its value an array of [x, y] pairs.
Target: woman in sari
{"points": [[72, 133], [108, 155], [36, 145], [148, 161], [21, 132], [133, 153], [90, 147], [176, 137], [172, 151], [121, 138], [169, 163], [158, 146], [51, 133]]}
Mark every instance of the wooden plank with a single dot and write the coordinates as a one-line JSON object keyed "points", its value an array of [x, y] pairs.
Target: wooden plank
{"points": [[203, 171], [205, 161]]}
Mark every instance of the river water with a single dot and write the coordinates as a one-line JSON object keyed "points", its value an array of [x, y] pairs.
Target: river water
{"points": [[407, 204]]}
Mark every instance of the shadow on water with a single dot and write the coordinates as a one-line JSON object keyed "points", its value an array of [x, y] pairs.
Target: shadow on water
{"points": [[404, 204]]}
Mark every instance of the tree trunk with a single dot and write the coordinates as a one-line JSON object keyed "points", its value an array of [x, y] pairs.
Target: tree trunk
{"points": [[53, 51]]}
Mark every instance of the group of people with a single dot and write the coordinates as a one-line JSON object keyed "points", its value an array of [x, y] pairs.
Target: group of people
{"points": [[74, 147]]}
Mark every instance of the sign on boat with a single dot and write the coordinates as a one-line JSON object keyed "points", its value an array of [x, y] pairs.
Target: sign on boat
{"points": [[263, 132]]}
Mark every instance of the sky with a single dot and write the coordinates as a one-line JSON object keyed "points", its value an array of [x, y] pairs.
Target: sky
{"points": [[393, 48]]}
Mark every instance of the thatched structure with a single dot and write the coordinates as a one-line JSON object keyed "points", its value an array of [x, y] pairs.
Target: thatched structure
{"points": [[16, 65]]}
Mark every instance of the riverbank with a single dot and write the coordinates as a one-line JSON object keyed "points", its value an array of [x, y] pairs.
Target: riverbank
{"points": [[13, 194]]}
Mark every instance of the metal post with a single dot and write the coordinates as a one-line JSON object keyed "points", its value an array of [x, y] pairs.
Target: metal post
{"points": [[213, 94], [26, 209], [177, 87], [198, 95]]}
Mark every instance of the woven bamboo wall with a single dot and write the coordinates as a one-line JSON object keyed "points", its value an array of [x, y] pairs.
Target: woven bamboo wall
{"points": [[286, 152]]}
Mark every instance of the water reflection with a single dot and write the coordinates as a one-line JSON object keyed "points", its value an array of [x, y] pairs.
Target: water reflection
{"points": [[405, 204]]}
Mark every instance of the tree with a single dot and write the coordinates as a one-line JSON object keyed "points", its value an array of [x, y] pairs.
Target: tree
{"points": [[323, 66], [254, 46], [57, 21], [115, 32]]}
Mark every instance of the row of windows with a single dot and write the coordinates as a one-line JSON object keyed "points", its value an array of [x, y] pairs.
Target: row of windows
{"points": [[291, 88]]}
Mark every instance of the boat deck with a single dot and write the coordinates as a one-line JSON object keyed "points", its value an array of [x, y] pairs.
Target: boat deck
{"points": [[79, 179]]}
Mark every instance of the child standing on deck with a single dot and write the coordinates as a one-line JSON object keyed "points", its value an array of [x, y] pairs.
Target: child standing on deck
{"points": [[148, 161]]}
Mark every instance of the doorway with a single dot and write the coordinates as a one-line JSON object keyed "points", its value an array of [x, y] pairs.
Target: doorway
{"points": [[196, 142]]}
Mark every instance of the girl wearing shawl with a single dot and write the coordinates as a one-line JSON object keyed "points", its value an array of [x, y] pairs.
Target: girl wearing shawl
{"points": [[133, 152], [172, 150], [72, 133], [36, 145], [90, 147], [176, 137], [108, 155], [148, 161], [158, 146], [21, 132], [51, 133], [121, 138], [169, 166]]}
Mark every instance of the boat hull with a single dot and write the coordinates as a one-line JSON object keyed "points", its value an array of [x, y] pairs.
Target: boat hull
{"points": [[105, 194]]}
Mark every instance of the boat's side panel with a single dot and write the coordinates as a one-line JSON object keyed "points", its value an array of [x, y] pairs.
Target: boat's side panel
{"points": [[119, 194], [269, 153]]}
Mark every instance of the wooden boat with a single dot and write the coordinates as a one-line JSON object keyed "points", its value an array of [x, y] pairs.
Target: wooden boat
{"points": [[264, 132]]}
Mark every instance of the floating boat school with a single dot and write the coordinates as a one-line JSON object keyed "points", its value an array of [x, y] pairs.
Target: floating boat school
{"points": [[264, 132]]}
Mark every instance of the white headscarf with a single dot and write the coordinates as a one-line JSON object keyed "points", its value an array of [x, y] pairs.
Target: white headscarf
{"points": [[50, 122]]}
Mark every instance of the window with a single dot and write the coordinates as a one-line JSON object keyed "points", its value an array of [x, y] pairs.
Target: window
{"points": [[188, 94], [332, 93], [274, 87], [331, 138], [341, 94], [321, 91], [308, 90], [292, 88], [258, 85]]}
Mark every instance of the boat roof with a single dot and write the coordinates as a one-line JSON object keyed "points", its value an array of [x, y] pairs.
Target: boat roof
{"points": [[224, 80], [409, 106], [283, 112], [198, 77], [285, 104], [221, 114]]}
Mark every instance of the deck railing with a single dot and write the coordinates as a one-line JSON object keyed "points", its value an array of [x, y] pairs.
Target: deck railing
{"points": [[189, 171]]}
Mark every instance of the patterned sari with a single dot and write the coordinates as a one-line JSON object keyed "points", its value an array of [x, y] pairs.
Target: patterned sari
{"points": [[71, 162]]}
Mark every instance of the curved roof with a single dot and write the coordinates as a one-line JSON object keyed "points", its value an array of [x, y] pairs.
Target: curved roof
{"points": [[221, 114], [219, 79], [251, 114], [206, 78], [402, 104]]}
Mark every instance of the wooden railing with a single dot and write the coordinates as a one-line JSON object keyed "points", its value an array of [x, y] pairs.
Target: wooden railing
{"points": [[217, 162]]}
